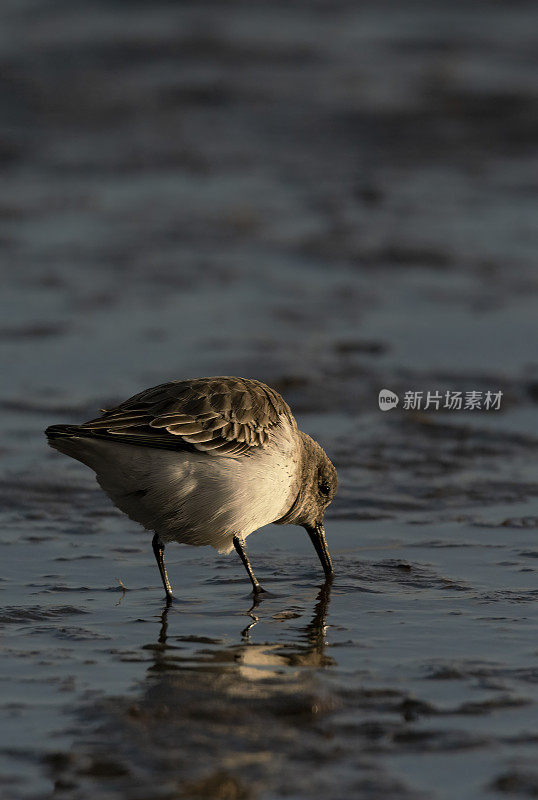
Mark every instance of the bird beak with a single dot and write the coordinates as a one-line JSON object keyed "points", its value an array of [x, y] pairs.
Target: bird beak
{"points": [[317, 535]]}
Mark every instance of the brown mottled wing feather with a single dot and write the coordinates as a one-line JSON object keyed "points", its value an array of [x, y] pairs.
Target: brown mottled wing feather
{"points": [[221, 416]]}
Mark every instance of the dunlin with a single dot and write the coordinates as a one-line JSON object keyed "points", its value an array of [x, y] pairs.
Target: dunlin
{"points": [[207, 462]]}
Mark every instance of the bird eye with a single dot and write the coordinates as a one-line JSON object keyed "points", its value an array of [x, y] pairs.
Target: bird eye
{"points": [[324, 488]]}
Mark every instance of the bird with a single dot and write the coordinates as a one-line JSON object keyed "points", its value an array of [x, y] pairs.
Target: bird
{"points": [[207, 461]]}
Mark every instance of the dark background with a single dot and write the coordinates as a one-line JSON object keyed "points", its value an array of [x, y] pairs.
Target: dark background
{"points": [[229, 187], [334, 197]]}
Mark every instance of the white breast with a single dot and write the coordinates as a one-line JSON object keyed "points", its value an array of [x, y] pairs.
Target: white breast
{"points": [[196, 498]]}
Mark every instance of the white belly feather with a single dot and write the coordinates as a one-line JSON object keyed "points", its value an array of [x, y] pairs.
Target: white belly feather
{"points": [[195, 498]]}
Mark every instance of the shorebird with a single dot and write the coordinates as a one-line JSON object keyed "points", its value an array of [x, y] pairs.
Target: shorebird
{"points": [[207, 461]]}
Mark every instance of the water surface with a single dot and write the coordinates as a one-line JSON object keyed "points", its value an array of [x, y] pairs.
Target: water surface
{"points": [[334, 200]]}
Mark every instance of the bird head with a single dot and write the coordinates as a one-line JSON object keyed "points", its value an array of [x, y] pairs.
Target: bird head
{"points": [[319, 482]]}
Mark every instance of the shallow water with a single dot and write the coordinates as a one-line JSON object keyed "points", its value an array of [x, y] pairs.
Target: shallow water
{"points": [[335, 200]]}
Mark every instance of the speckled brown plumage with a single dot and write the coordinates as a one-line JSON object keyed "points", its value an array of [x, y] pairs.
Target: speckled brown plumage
{"points": [[221, 415]]}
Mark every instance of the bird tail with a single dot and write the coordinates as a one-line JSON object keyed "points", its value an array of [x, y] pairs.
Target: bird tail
{"points": [[74, 441], [55, 432]]}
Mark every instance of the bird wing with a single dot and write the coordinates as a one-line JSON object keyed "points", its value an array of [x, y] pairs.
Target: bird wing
{"points": [[222, 416]]}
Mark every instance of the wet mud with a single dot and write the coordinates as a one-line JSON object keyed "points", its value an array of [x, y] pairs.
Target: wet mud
{"points": [[336, 199]]}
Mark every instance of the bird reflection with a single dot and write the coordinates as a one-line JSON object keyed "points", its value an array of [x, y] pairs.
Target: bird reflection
{"points": [[218, 720], [253, 661]]}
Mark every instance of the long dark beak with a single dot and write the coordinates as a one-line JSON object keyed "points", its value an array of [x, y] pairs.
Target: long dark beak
{"points": [[317, 535]]}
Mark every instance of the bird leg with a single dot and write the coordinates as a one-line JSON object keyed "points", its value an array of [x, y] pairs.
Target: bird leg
{"points": [[239, 546], [158, 549]]}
